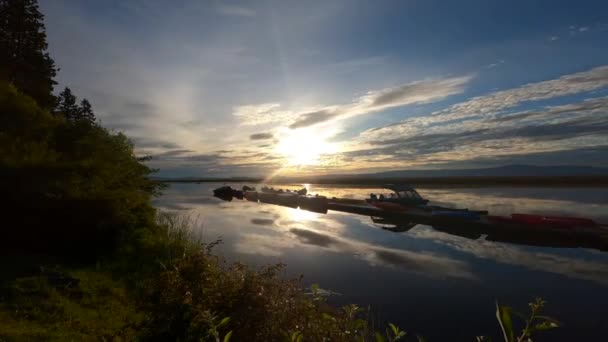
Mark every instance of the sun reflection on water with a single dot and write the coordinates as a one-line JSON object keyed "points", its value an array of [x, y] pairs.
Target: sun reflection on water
{"points": [[300, 215]]}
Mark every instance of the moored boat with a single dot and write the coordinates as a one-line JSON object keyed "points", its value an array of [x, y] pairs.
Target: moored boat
{"points": [[317, 203], [541, 222], [461, 214], [401, 200]]}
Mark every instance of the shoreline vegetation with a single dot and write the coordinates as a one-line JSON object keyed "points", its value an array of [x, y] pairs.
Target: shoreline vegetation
{"points": [[85, 256], [512, 181]]}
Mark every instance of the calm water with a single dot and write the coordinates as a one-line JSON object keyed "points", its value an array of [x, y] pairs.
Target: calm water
{"points": [[431, 283]]}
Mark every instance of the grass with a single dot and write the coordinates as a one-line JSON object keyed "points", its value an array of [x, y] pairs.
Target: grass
{"points": [[79, 305]]}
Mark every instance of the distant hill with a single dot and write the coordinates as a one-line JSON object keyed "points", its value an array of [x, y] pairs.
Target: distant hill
{"points": [[506, 175], [502, 171]]}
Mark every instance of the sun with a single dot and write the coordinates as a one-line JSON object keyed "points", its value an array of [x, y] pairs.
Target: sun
{"points": [[304, 147]]}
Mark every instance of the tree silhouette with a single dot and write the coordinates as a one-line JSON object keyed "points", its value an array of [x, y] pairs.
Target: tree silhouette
{"points": [[85, 112], [24, 61], [66, 104]]}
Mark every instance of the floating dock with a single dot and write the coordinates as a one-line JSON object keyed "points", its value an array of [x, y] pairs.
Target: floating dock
{"points": [[535, 230]]}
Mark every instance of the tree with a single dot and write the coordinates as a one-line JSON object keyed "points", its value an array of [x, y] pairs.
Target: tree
{"points": [[66, 104], [85, 112], [24, 61]]}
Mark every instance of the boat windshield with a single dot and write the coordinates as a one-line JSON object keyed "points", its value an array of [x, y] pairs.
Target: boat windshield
{"points": [[408, 194]]}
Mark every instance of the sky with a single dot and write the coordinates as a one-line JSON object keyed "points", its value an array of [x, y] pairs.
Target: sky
{"points": [[264, 88]]}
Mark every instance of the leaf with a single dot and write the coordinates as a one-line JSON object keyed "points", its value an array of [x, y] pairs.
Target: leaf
{"points": [[547, 318], [228, 336], [545, 326], [379, 337], [360, 324], [503, 314], [394, 329], [328, 317], [223, 322], [297, 336], [421, 339]]}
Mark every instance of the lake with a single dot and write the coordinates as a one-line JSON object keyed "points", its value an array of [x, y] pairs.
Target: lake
{"points": [[428, 282]]}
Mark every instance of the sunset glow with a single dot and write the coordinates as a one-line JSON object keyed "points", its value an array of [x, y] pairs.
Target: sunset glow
{"points": [[304, 148]]}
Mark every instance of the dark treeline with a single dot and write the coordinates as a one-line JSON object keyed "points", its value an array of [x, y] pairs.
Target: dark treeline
{"points": [[70, 185]]}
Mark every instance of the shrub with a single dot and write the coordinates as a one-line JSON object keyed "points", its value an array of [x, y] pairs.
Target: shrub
{"points": [[75, 186]]}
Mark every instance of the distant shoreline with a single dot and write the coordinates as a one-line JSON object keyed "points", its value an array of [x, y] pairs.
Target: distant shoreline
{"points": [[473, 181]]}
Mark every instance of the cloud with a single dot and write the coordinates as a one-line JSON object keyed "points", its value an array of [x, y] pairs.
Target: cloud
{"points": [[416, 92], [313, 118], [172, 153], [261, 114], [495, 102], [311, 237], [142, 142], [321, 231], [487, 119], [419, 92], [494, 65], [545, 132], [262, 222], [235, 10], [261, 136]]}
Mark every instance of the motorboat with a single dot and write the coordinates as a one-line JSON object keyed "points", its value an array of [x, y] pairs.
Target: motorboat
{"points": [[403, 196]]}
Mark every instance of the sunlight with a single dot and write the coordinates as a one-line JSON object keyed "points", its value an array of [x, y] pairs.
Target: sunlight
{"points": [[305, 147], [300, 215]]}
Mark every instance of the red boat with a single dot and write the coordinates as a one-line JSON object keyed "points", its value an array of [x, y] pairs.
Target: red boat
{"points": [[544, 221]]}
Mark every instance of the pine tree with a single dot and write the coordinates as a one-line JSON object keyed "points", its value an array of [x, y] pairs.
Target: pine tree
{"points": [[85, 112], [24, 61], [66, 104]]}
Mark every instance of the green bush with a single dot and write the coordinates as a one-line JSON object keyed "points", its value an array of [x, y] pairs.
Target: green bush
{"points": [[74, 185]]}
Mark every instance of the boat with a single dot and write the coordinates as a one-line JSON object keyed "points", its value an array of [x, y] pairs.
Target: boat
{"points": [[403, 196], [541, 221], [461, 214], [318, 204], [227, 193], [251, 195]]}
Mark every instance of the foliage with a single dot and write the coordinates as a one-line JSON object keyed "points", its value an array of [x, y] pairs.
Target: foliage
{"points": [[54, 305], [69, 175], [532, 323], [24, 61], [67, 107]]}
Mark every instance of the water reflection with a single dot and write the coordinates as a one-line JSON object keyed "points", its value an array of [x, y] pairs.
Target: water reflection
{"points": [[513, 255], [393, 264], [279, 229]]}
